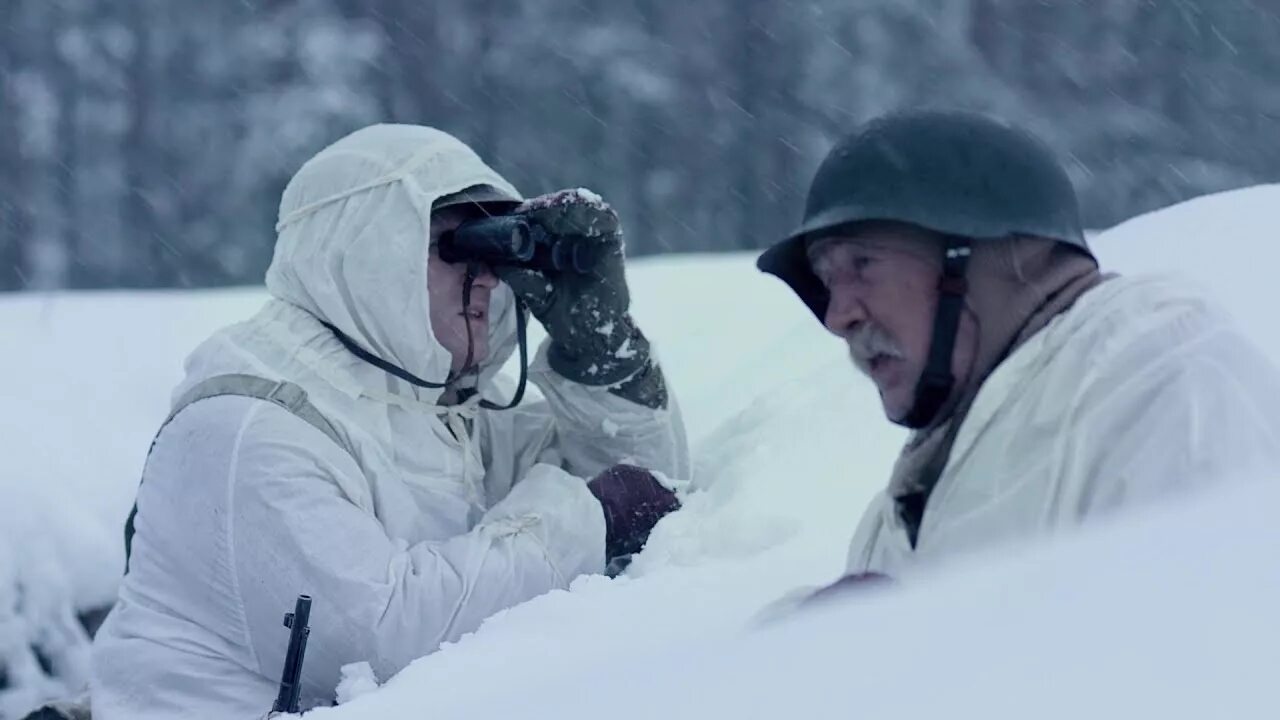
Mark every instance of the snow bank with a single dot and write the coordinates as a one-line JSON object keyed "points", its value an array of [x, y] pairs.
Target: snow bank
{"points": [[788, 445], [84, 383], [1169, 616], [1227, 243]]}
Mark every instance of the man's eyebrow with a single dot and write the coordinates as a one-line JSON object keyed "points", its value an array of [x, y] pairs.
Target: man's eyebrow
{"points": [[818, 249]]}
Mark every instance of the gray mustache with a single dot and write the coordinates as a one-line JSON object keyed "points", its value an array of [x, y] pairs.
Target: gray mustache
{"points": [[868, 341]]}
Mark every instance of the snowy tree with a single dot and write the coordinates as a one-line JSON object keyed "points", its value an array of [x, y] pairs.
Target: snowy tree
{"points": [[145, 142]]}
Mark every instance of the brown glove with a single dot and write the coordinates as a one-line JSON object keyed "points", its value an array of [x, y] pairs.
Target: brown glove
{"points": [[633, 501]]}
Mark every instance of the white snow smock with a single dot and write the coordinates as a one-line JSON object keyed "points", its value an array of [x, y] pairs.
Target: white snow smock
{"points": [[436, 518], [1140, 391]]}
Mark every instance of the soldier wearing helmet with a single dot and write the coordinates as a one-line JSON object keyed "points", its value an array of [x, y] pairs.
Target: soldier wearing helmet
{"points": [[945, 249]]}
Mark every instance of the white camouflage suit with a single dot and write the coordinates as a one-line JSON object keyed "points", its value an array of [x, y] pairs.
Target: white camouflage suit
{"points": [[436, 519], [1139, 393]]}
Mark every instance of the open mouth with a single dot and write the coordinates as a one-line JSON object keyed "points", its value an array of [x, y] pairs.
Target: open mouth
{"points": [[878, 362], [474, 314]]}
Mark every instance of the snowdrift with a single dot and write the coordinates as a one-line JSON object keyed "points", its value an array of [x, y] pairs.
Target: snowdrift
{"points": [[789, 445], [1169, 616]]}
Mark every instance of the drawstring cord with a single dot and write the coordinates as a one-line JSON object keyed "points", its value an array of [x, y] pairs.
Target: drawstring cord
{"points": [[456, 416], [521, 339]]}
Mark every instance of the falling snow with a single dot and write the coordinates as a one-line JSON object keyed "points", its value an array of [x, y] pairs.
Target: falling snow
{"points": [[147, 150]]}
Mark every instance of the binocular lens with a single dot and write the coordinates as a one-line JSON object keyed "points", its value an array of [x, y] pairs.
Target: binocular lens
{"points": [[521, 241], [500, 240], [513, 240]]}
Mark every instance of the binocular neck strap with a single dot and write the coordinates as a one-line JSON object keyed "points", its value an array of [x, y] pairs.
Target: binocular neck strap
{"points": [[379, 363], [522, 340], [473, 270]]}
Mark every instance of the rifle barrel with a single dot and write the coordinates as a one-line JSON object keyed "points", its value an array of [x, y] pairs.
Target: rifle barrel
{"points": [[290, 686]]}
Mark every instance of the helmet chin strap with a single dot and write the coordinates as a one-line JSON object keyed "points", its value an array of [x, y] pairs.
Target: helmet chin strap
{"points": [[937, 381]]}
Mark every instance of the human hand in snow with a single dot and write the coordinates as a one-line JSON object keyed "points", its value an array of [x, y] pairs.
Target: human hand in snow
{"points": [[633, 501], [593, 338]]}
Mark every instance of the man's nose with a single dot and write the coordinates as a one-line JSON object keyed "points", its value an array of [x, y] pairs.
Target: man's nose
{"points": [[483, 276], [844, 309]]}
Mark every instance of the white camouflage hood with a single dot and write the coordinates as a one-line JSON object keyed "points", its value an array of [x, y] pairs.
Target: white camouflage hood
{"points": [[352, 244]]}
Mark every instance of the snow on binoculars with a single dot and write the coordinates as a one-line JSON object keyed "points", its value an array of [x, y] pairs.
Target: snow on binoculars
{"points": [[514, 240]]}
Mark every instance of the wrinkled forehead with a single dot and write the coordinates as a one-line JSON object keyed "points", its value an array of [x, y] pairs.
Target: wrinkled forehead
{"points": [[875, 236]]}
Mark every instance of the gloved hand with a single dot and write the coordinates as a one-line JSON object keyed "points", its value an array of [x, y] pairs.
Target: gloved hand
{"points": [[593, 338], [633, 501]]}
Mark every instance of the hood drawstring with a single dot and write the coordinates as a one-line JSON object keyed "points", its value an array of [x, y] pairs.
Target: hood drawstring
{"points": [[457, 419], [522, 341]]}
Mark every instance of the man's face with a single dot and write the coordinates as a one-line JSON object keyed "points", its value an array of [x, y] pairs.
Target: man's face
{"points": [[883, 281], [444, 285]]}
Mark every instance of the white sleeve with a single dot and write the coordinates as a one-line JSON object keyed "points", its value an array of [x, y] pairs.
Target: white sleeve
{"points": [[862, 556], [294, 532], [594, 429], [1199, 408]]}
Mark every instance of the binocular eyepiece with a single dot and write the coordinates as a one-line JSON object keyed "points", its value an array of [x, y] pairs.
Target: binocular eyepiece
{"points": [[514, 240]]}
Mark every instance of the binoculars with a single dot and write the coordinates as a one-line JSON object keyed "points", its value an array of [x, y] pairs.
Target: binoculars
{"points": [[514, 240]]}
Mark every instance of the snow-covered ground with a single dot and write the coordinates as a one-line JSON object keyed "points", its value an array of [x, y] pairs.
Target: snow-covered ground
{"points": [[1176, 610]]}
